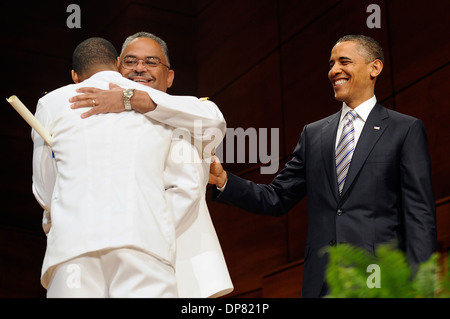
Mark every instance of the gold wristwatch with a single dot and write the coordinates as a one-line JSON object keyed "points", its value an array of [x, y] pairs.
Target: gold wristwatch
{"points": [[127, 95]]}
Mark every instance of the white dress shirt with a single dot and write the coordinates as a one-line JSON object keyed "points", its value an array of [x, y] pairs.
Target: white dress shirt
{"points": [[363, 110]]}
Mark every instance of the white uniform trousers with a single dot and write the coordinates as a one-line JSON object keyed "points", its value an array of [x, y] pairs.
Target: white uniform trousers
{"points": [[115, 273]]}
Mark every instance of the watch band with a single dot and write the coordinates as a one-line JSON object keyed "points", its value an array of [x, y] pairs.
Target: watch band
{"points": [[127, 95]]}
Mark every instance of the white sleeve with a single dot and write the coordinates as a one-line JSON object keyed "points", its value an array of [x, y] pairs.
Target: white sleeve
{"points": [[202, 118], [44, 166], [183, 177]]}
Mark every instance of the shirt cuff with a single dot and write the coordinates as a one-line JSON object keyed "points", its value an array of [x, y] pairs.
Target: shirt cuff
{"points": [[223, 187]]}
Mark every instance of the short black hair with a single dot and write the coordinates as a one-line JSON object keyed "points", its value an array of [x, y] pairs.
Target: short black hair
{"points": [[372, 49], [93, 51]]}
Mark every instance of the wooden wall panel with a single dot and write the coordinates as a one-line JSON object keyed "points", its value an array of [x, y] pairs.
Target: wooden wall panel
{"points": [[186, 7], [419, 38], [244, 107], [443, 225], [232, 37], [296, 15], [297, 230], [285, 282], [428, 101], [36, 28], [20, 264], [20, 210], [253, 245], [12, 124]]}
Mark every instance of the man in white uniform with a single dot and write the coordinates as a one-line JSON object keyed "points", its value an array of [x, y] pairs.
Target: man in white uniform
{"points": [[200, 265], [104, 180]]}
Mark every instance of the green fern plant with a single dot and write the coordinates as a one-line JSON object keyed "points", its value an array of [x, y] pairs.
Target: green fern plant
{"points": [[352, 272]]}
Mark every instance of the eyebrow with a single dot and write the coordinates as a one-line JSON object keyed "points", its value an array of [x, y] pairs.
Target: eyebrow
{"points": [[340, 59]]}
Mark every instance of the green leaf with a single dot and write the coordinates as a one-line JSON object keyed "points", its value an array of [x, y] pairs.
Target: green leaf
{"points": [[352, 272]]}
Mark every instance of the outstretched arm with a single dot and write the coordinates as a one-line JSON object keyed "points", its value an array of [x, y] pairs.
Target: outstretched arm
{"points": [[276, 198], [202, 118], [110, 101]]}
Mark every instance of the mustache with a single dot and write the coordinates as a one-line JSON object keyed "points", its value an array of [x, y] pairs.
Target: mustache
{"points": [[141, 74]]}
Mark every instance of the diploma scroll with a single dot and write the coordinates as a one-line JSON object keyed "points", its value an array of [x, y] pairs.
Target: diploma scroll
{"points": [[29, 118]]}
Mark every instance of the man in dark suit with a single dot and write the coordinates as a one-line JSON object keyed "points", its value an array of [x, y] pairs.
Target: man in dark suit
{"points": [[384, 195]]}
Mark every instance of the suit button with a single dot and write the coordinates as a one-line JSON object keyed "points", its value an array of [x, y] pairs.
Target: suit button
{"points": [[339, 212]]}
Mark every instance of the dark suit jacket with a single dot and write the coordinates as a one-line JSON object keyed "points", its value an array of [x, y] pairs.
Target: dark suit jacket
{"points": [[387, 195]]}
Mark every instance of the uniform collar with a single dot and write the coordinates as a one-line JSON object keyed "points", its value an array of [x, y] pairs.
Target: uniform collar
{"points": [[106, 75]]}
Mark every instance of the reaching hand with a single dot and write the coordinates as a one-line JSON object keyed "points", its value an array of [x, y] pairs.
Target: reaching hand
{"points": [[100, 101], [217, 175]]}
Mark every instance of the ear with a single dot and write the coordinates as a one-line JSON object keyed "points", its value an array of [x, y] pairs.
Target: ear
{"points": [[118, 62], [377, 67], [170, 78], [75, 77]]}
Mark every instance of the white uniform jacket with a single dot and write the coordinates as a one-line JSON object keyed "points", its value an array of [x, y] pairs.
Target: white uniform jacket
{"points": [[104, 178], [201, 269]]}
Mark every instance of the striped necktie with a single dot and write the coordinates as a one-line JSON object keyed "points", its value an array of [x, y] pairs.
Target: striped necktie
{"points": [[345, 148]]}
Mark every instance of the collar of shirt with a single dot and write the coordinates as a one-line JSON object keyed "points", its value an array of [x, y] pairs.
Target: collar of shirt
{"points": [[363, 110]]}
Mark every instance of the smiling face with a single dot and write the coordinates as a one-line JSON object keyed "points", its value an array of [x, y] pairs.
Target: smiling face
{"points": [[351, 75], [158, 77]]}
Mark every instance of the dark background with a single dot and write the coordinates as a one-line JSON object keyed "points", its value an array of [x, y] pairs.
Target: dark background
{"points": [[264, 63]]}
